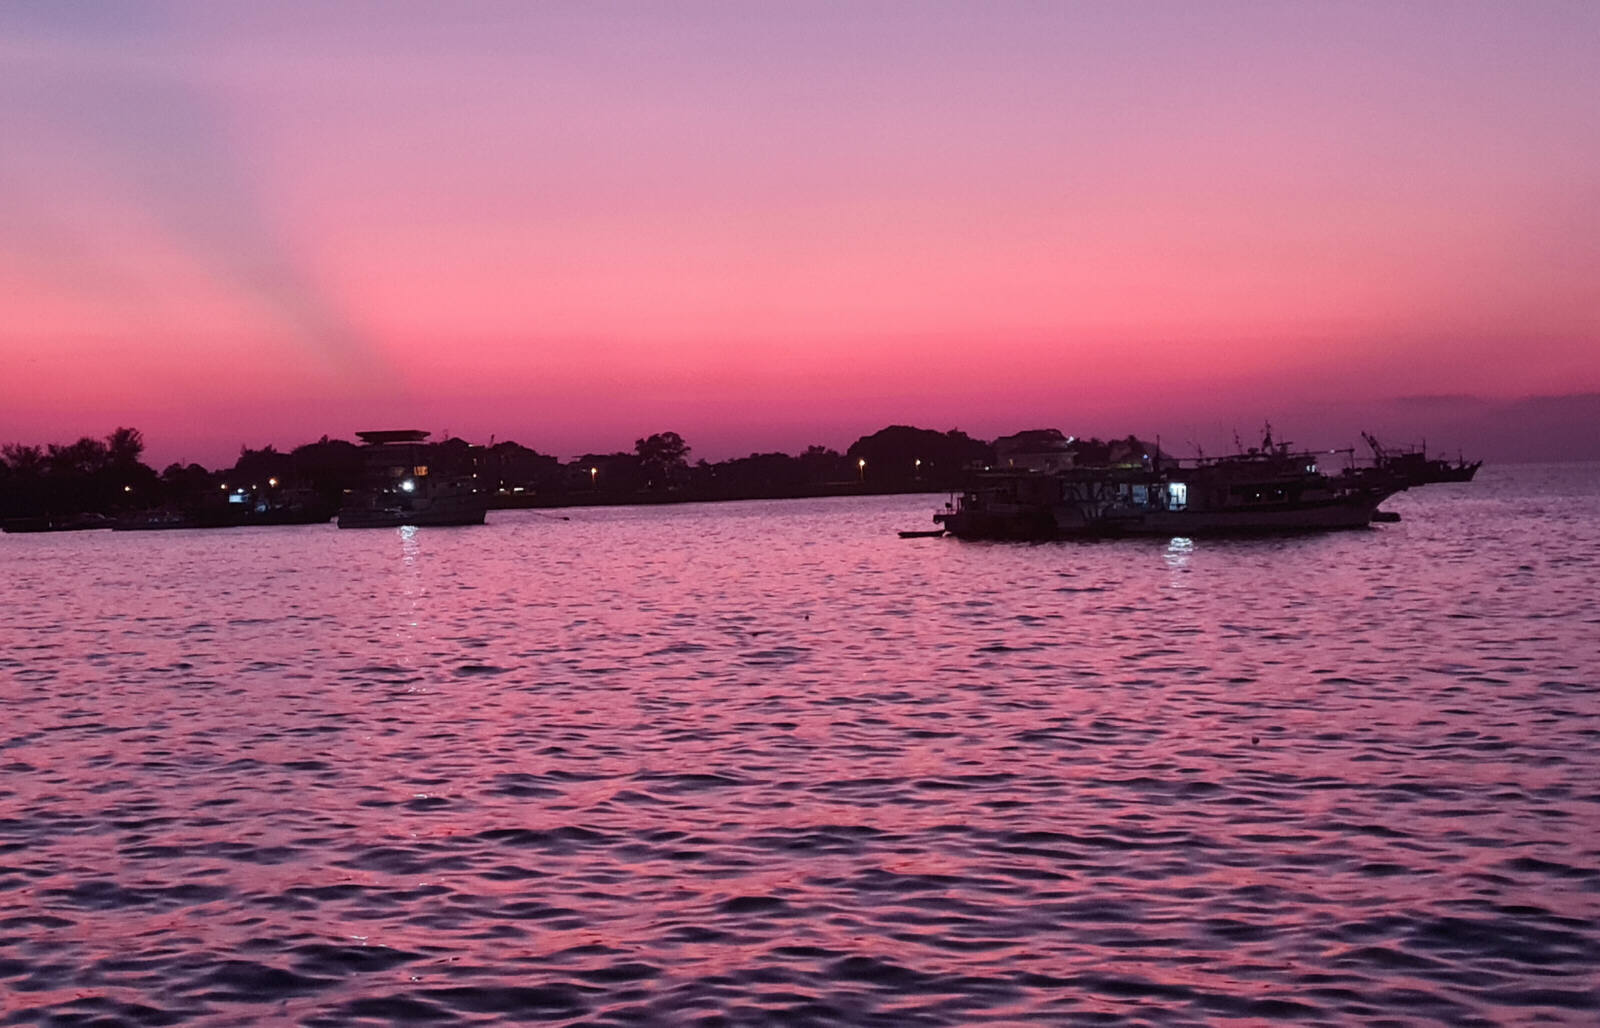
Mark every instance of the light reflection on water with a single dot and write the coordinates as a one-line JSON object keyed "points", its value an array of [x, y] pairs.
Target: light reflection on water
{"points": [[769, 761]]}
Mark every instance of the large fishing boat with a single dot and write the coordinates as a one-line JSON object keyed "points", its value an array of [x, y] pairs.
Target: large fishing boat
{"points": [[1266, 489], [1415, 467], [409, 481]]}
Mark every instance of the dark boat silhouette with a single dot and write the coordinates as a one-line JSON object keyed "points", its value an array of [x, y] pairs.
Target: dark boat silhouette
{"points": [[408, 481], [1269, 489], [1415, 467], [57, 523]]}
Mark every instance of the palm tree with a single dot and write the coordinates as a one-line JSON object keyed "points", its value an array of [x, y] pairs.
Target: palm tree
{"points": [[125, 446]]}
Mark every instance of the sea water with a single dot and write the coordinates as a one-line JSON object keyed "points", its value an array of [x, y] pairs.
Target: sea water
{"points": [[768, 763]]}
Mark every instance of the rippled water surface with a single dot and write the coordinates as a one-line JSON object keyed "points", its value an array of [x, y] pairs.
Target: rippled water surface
{"points": [[767, 762]]}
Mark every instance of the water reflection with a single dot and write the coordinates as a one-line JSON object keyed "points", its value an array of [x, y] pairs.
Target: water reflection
{"points": [[412, 594], [1177, 554]]}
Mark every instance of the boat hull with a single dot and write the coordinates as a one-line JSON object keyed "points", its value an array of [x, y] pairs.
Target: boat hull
{"points": [[1333, 515], [1069, 522], [452, 515]]}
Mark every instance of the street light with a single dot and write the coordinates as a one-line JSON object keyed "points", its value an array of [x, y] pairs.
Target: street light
{"points": [[592, 473], [861, 469]]}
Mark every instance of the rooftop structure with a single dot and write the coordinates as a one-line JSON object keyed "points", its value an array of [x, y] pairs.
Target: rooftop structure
{"points": [[393, 435]]}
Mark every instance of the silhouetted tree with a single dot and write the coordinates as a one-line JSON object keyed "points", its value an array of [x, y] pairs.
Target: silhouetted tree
{"points": [[901, 456], [24, 460], [609, 475], [328, 466], [664, 457], [256, 467], [124, 447], [82, 459], [512, 466]]}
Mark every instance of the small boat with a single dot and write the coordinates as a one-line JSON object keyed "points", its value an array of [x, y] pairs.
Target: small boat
{"points": [[918, 534]]}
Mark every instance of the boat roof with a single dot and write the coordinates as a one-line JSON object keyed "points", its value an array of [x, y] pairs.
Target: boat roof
{"points": [[392, 435]]}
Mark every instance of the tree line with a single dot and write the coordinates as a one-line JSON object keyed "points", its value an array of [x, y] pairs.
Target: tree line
{"points": [[108, 476]]}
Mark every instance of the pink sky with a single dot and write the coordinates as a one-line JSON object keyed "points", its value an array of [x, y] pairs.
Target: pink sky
{"points": [[765, 226]]}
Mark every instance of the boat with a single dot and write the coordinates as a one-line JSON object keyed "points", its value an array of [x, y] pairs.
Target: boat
{"points": [[161, 520], [237, 508], [277, 504], [1415, 467], [57, 523], [1267, 489], [409, 481]]}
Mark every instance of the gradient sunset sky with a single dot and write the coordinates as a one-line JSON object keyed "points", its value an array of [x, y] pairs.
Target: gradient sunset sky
{"points": [[765, 225]]}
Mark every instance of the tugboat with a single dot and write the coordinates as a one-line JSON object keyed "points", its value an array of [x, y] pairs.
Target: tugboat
{"points": [[1269, 489], [409, 481]]}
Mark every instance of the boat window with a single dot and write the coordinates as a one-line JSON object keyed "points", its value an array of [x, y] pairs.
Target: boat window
{"points": [[1177, 495], [421, 470]]}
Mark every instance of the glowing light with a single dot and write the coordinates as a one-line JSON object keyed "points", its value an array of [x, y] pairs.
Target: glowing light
{"points": [[272, 482], [409, 485]]}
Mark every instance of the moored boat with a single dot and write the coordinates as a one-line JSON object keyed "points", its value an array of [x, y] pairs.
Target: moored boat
{"points": [[156, 521], [412, 482], [1415, 467], [56, 523], [1270, 489]]}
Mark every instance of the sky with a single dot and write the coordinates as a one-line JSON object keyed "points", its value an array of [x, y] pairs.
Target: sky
{"points": [[767, 225]]}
